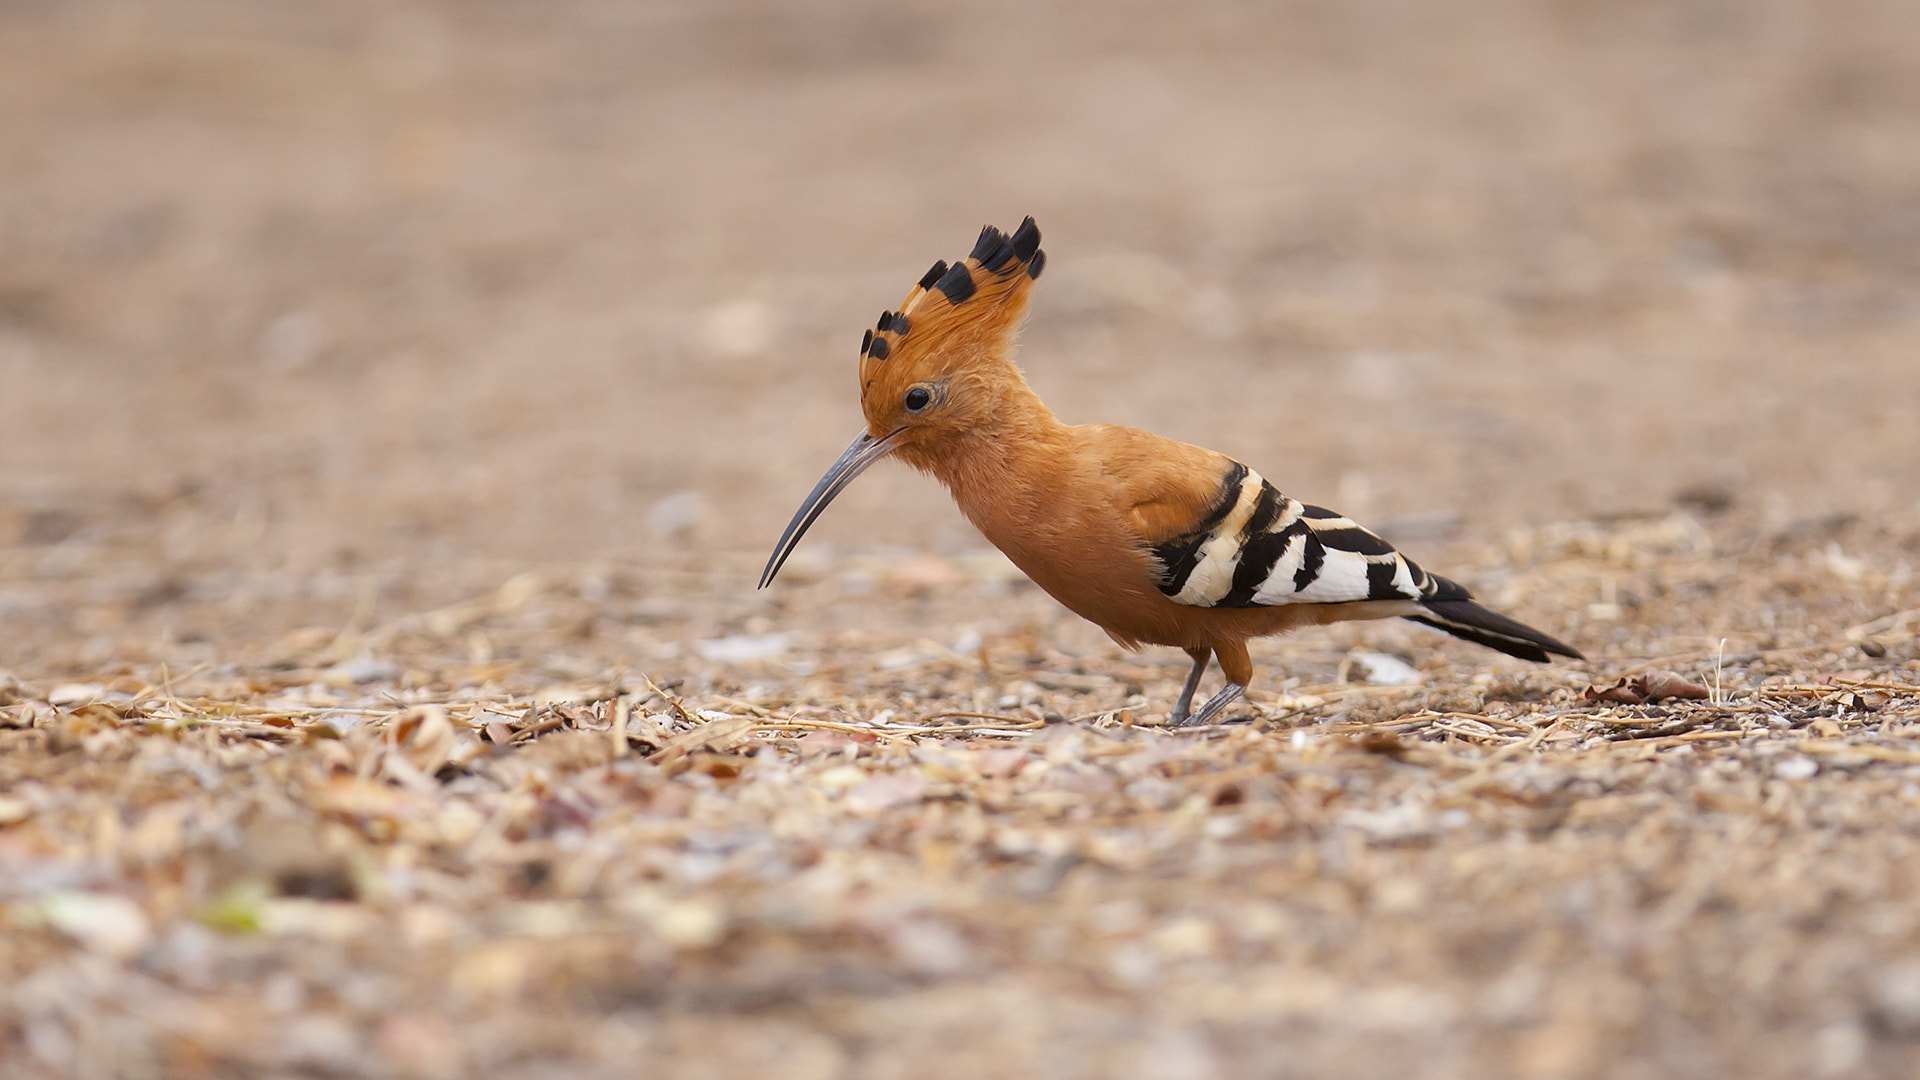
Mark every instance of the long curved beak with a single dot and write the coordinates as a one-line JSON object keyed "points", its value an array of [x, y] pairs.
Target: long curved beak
{"points": [[862, 452]]}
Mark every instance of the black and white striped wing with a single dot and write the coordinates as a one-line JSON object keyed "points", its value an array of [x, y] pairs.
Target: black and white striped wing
{"points": [[1259, 548]]}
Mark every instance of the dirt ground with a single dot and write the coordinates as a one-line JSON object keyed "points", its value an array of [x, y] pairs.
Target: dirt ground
{"points": [[402, 398]]}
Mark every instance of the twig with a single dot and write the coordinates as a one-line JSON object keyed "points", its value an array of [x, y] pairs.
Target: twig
{"points": [[1493, 720], [1470, 733], [617, 723], [672, 702], [555, 719], [1684, 724], [803, 724], [1903, 689], [1023, 722]]}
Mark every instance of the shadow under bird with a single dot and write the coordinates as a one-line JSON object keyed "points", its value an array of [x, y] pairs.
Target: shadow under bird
{"points": [[1157, 542]]}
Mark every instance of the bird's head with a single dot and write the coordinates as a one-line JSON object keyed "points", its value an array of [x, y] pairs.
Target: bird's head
{"points": [[940, 363], [936, 368]]}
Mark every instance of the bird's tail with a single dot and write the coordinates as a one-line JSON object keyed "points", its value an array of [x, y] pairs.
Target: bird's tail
{"points": [[1463, 618]]}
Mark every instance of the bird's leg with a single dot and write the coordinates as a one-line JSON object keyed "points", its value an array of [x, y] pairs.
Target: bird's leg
{"points": [[1200, 658], [1238, 668], [1213, 706]]}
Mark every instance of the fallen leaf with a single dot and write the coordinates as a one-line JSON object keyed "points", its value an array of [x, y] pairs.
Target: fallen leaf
{"points": [[1660, 685], [75, 693], [1622, 691], [816, 743], [714, 734], [887, 791], [424, 736], [1646, 688]]}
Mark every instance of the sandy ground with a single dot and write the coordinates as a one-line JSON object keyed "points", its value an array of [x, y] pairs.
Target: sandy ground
{"points": [[402, 398]]}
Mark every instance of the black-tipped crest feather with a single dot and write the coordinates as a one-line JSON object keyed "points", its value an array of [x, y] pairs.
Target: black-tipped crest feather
{"points": [[1026, 241], [957, 284], [991, 250]]}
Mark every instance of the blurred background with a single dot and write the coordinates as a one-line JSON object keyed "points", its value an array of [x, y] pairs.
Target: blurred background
{"points": [[294, 289]]}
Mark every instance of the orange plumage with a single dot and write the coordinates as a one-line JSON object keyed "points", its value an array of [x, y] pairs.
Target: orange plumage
{"points": [[1156, 541]]}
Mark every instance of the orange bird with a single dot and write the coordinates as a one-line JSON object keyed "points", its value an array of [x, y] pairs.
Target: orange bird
{"points": [[1156, 541]]}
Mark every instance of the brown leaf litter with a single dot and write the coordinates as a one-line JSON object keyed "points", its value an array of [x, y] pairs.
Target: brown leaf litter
{"points": [[447, 868]]}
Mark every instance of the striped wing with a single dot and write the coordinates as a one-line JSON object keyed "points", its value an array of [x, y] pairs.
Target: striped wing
{"points": [[1258, 548]]}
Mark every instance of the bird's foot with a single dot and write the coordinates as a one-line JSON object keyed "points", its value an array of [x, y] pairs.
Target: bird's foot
{"points": [[1211, 709]]}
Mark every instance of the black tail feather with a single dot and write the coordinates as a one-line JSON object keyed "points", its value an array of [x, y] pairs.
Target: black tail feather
{"points": [[1471, 622]]}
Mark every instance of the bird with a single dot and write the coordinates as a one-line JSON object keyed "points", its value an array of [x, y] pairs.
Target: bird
{"points": [[1157, 542]]}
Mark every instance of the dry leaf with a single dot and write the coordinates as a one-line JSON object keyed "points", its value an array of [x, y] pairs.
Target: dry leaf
{"points": [[1646, 688], [714, 734], [1660, 685], [424, 736], [75, 693], [886, 792]]}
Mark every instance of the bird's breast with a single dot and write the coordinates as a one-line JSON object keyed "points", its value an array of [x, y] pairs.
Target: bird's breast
{"points": [[1079, 549]]}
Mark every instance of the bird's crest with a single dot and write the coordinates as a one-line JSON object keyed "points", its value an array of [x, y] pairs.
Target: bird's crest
{"points": [[964, 315]]}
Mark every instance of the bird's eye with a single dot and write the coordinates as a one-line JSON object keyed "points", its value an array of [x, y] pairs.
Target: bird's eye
{"points": [[918, 398]]}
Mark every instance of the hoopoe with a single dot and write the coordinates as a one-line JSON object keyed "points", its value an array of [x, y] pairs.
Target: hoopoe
{"points": [[1155, 541]]}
